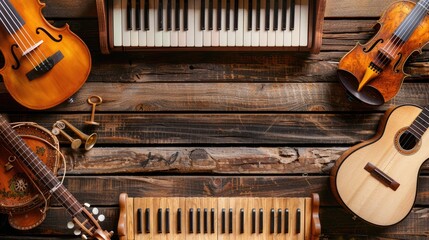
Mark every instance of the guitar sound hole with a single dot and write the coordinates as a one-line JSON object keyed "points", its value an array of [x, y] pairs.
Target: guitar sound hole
{"points": [[407, 141]]}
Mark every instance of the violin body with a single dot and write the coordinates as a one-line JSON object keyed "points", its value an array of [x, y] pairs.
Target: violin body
{"points": [[43, 65], [382, 87]]}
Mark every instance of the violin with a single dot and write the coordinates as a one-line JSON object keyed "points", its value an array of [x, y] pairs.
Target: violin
{"points": [[43, 65], [373, 72]]}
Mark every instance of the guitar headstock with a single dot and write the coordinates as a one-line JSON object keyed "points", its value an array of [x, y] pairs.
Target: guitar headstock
{"points": [[87, 224]]}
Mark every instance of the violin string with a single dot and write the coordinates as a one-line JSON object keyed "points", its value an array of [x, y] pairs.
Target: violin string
{"points": [[9, 29], [31, 42]]}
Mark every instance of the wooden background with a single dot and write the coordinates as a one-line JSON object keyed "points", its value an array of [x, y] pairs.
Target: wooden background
{"points": [[221, 124]]}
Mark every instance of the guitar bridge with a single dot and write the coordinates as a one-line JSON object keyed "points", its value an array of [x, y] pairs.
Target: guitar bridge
{"points": [[381, 176]]}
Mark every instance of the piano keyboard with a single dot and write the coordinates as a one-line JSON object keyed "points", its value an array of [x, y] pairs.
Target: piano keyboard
{"points": [[218, 218], [213, 23]]}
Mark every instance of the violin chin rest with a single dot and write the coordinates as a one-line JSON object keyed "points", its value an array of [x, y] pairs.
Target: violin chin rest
{"points": [[367, 94]]}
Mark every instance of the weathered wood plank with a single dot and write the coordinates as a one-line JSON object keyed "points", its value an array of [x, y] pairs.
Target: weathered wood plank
{"points": [[221, 129], [352, 8]]}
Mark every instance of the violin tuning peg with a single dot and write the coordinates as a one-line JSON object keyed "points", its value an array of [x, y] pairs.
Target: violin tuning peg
{"points": [[70, 225], [87, 205], [95, 211], [77, 232], [101, 218]]}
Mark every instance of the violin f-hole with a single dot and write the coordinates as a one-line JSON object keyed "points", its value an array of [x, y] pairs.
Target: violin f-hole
{"points": [[60, 37], [372, 46], [395, 67], [17, 63]]}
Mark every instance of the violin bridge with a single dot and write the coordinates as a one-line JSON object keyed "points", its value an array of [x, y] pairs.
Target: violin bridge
{"points": [[372, 71]]}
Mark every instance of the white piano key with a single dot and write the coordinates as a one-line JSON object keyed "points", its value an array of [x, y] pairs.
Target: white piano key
{"points": [[231, 31], [166, 34], [287, 37], [263, 34], [296, 31], [247, 35], [142, 33], [207, 34], [151, 33], [255, 33], [271, 32], [239, 34], [126, 34], [197, 20], [174, 34], [279, 32], [134, 35], [191, 24], [223, 34], [215, 32], [158, 33], [117, 23], [182, 33], [303, 29]]}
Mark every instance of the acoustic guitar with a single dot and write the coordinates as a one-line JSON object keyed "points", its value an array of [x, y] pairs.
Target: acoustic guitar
{"points": [[86, 223], [43, 65], [377, 179]]}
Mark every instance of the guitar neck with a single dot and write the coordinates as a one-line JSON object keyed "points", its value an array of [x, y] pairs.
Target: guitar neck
{"points": [[19, 148]]}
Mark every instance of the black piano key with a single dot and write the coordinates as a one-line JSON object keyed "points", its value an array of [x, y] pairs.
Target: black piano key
{"points": [[242, 221], [205, 228], [203, 15], [169, 17], [258, 15], [177, 16], [261, 220], [228, 14], [159, 220], [249, 15], [185, 15], [223, 220], [212, 220], [167, 220], [146, 15], [160, 15], [210, 26], [129, 14], [286, 220], [139, 221], [284, 13], [272, 220], [191, 220], [219, 15], [279, 221], [267, 15], [292, 14], [147, 220], [236, 15], [198, 220], [276, 15], [298, 221], [253, 220], [230, 221], [179, 220], [138, 15]]}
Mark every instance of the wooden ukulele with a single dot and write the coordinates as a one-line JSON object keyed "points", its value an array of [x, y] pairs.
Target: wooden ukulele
{"points": [[43, 65], [84, 220], [377, 179], [373, 72]]}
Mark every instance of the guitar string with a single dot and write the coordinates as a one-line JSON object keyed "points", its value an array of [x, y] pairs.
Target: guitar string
{"points": [[7, 26], [25, 35], [404, 29]]}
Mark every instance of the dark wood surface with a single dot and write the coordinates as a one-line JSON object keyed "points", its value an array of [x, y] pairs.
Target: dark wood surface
{"points": [[221, 124]]}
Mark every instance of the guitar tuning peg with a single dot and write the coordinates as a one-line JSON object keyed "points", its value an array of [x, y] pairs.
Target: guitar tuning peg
{"points": [[87, 205], [77, 232], [70, 225], [101, 218], [95, 211], [84, 237]]}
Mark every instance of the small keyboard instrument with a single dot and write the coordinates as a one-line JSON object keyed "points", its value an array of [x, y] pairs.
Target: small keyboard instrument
{"points": [[288, 25], [218, 218]]}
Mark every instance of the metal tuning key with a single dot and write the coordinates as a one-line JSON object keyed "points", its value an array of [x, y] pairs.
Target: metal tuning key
{"points": [[94, 101]]}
